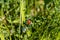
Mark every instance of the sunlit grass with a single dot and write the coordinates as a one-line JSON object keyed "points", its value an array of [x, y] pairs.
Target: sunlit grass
{"points": [[43, 14]]}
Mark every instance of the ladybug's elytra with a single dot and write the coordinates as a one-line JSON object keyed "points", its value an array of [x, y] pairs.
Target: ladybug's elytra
{"points": [[28, 21]]}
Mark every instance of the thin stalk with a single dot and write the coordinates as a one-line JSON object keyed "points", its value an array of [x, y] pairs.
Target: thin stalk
{"points": [[22, 11], [22, 15]]}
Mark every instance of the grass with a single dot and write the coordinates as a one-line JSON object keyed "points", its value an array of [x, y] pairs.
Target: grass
{"points": [[44, 16]]}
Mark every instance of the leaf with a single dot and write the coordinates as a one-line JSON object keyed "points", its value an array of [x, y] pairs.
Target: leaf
{"points": [[29, 33], [58, 36], [2, 36], [16, 21]]}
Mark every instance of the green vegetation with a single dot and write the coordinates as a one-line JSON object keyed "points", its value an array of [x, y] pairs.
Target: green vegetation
{"points": [[30, 19]]}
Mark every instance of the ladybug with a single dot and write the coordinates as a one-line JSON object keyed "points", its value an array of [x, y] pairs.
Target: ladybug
{"points": [[28, 21]]}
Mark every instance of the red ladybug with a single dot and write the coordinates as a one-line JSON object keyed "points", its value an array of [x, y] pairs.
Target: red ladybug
{"points": [[28, 21]]}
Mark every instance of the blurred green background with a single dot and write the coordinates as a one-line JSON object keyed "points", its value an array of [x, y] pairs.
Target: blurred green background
{"points": [[29, 19]]}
